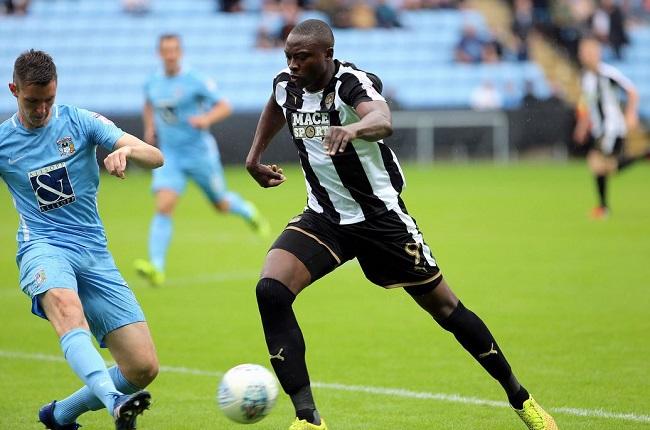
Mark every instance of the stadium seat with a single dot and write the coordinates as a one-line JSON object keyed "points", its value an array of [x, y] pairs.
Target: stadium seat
{"points": [[114, 49]]}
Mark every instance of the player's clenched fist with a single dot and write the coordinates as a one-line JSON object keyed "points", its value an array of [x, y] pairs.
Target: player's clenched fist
{"points": [[115, 162]]}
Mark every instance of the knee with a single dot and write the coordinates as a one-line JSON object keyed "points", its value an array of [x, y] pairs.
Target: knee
{"points": [[272, 293], [436, 298], [142, 372], [166, 204], [222, 206], [165, 209], [443, 311], [454, 319], [64, 310], [70, 312]]}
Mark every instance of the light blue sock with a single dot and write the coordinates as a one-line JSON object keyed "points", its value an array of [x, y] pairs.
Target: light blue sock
{"points": [[83, 400], [86, 362], [239, 206], [160, 233]]}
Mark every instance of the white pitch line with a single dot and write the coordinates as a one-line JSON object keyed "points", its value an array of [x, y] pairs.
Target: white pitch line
{"points": [[383, 391]]}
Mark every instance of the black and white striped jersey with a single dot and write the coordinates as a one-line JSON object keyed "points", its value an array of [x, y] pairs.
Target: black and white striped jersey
{"points": [[601, 92], [366, 179]]}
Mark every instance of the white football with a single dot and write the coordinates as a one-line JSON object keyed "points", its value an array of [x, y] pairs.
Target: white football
{"points": [[247, 393]]}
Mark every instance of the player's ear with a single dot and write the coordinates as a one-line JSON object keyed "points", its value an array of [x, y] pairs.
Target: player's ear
{"points": [[329, 52], [13, 88]]}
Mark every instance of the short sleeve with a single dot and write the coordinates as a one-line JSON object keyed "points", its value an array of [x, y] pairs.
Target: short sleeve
{"points": [[358, 86], [100, 130], [618, 78], [280, 77], [208, 90]]}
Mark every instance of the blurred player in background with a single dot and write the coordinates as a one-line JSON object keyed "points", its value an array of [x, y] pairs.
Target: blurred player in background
{"points": [[47, 159], [602, 124], [338, 118], [180, 107]]}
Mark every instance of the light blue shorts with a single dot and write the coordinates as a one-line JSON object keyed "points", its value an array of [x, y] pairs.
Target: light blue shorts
{"points": [[206, 171], [107, 300]]}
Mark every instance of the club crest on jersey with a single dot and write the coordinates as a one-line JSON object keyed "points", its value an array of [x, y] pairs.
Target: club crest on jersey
{"points": [[310, 124], [52, 187], [329, 100], [40, 277], [66, 146]]}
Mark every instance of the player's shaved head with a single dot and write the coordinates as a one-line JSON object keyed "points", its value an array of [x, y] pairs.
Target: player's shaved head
{"points": [[34, 68], [316, 31]]}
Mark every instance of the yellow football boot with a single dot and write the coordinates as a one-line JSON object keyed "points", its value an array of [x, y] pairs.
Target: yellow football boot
{"points": [[306, 425], [149, 272], [535, 417]]}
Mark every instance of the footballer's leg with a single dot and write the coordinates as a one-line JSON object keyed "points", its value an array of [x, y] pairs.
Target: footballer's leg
{"points": [[602, 166], [64, 310], [209, 176], [168, 185], [117, 321], [472, 333], [296, 259], [160, 234], [136, 367], [48, 275]]}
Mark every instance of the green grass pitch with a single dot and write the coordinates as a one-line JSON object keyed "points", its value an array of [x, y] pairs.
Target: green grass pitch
{"points": [[566, 297]]}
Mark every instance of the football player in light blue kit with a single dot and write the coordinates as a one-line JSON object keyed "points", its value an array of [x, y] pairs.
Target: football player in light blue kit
{"points": [[48, 161], [180, 107]]}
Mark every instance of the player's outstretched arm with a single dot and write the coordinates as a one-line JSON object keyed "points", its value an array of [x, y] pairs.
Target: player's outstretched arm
{"points": [[129, 147], [270, 123], [375, 124]]}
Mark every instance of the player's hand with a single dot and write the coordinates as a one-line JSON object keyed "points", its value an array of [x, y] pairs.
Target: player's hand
{"points": [[337, 139], [115, 162], [199, 122], [265, 175]]}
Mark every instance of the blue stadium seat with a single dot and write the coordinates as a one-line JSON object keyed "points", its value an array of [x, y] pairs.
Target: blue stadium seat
{"points": [[111, 55]]}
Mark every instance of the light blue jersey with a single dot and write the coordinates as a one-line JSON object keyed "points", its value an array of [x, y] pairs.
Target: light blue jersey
{"points": [[190, 153], [52, 174], [175, 99]]}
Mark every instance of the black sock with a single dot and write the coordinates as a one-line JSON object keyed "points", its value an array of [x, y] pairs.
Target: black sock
{"points": [[472, 333], [310, 415], [517, 400], [286, 345], [601, 184]]}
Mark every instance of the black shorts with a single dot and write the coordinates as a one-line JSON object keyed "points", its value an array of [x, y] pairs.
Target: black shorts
{"points": [[389, 248], [598, 144]]}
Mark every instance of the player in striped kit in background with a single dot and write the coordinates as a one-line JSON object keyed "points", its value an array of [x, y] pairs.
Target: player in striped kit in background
{"points": [[602, 125], [338, 118]]}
